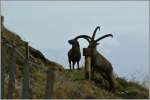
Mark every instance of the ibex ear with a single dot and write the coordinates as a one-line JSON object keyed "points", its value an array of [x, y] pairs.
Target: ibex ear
{"points": [[97, 43], [69, 41], [78, 44]]}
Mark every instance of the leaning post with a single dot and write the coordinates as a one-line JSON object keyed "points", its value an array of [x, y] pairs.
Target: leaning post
{"points": [[3, 65], [26, 75], [87, 54], [3, 59], [12, 72], [50, 84]]}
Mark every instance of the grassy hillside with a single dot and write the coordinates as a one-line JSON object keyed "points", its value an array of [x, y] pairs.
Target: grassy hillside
{"points": [[68, 84], [38, 74], [72, 84]]}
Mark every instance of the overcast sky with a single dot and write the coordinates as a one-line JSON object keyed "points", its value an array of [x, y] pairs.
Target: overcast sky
{"points": [[49, 25]]}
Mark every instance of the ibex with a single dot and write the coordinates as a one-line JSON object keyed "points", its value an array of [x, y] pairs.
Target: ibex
{"points": [[74, 54], [98, 62]]}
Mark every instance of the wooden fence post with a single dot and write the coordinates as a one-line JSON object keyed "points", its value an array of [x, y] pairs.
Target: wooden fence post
{"points": [[2, 19], [12, 71], [87, 54], [26, 74], [50, 83], [3, 64]]}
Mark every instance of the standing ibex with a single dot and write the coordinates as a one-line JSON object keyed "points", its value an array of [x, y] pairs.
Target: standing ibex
{"points": [[98, 62], [74, 54]]}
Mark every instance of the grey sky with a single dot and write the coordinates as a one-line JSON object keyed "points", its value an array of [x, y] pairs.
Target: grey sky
{"points": [[48, 26]]}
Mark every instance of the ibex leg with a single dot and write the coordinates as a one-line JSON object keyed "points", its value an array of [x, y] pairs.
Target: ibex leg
{"points": [[70, 64], [78, 65], [111, 81], [92, 74], [73, 65]]}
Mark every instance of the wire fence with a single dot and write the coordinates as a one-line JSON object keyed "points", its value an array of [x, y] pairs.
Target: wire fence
{"points": [[26, 85]]}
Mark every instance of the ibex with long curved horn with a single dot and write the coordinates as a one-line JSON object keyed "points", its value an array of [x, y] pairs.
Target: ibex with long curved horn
{"points": [[74, 54], [98, 62]]}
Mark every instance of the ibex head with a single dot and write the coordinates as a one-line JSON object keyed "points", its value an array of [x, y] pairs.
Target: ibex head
{"points": [[74, 42], [93, 43], [91, 40]]}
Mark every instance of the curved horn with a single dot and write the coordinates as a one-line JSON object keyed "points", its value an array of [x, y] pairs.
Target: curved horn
{"points": [[107, 35], [88, 38], [98, 27]]}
